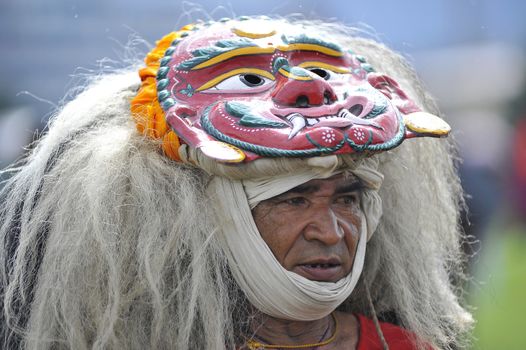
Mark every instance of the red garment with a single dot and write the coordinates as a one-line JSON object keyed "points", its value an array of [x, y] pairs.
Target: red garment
{"points": [[397, 338]]}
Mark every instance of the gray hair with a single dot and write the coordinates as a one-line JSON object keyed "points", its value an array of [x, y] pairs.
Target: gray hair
{"points": [[106, 243]]}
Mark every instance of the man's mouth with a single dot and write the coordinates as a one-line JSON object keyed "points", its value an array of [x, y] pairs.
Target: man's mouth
{"points": [[320, 270], [322, 266]]}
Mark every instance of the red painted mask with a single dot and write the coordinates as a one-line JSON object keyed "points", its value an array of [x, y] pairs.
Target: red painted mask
{"points": [[282, 91]]}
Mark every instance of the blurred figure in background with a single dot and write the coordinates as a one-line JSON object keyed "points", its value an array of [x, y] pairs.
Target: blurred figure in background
{"points": [[501, 267], [479, 98], [517, 185]]}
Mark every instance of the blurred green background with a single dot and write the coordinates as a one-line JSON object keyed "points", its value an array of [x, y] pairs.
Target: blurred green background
{"points": [[470, 54]]}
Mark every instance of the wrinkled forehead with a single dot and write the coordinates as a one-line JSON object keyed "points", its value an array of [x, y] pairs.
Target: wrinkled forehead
{"points": [[336, 184]]}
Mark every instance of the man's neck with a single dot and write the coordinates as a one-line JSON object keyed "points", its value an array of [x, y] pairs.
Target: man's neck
{"points": [[270, 330]]}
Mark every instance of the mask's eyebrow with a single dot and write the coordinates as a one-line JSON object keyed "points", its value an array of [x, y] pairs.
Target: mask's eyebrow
{"points": [[230, 48], [221, 51], [303, 42]]}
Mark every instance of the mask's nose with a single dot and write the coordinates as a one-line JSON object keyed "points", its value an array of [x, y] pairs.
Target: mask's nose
{"points": [[298, 87]]}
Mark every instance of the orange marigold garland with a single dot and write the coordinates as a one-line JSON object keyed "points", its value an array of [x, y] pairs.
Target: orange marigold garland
{"points": [[145, 107]]}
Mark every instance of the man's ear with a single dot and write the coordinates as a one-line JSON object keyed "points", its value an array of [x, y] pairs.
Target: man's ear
{"points": [[417, 122], [390, 88]]}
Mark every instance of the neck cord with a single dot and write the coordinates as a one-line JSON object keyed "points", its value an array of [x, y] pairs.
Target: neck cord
{"points": [[375, 317], [255, 345]]}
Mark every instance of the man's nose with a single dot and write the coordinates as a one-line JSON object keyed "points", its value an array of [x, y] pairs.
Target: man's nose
{"points": [[298, 87], [324, 226]]}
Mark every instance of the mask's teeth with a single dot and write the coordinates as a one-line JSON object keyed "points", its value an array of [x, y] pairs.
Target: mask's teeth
{"points": [[344, 113], [298, 123], [312, 121]]}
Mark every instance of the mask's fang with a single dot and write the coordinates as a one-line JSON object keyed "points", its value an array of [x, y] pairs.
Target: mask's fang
{"points": [[298, 122], [344, 113]]}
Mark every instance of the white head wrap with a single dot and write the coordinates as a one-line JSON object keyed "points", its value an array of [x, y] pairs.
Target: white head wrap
{"points": [[268, 286]]}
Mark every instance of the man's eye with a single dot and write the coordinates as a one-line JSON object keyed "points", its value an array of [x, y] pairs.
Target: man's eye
{"points": [[350, 199], [295, 201]]}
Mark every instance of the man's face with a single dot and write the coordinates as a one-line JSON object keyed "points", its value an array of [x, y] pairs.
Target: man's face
{"points": [[313, 229]]}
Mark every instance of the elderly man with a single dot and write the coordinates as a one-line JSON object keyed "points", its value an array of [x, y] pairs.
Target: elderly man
{"points": [[261, 205]]}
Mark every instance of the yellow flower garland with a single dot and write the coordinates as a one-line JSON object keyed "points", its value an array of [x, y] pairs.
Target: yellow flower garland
{"points": [[145, 108]]}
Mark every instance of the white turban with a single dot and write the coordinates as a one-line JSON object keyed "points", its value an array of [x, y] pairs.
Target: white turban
{"points": [[268, 286]]}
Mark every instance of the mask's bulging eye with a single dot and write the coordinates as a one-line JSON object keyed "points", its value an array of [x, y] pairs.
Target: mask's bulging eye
{"points": [[321, 72], [239, 81], [326, 71], [242, 82], [252, 80]]}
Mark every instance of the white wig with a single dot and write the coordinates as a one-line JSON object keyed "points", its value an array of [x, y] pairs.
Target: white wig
{"points": [[106, 243]]}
